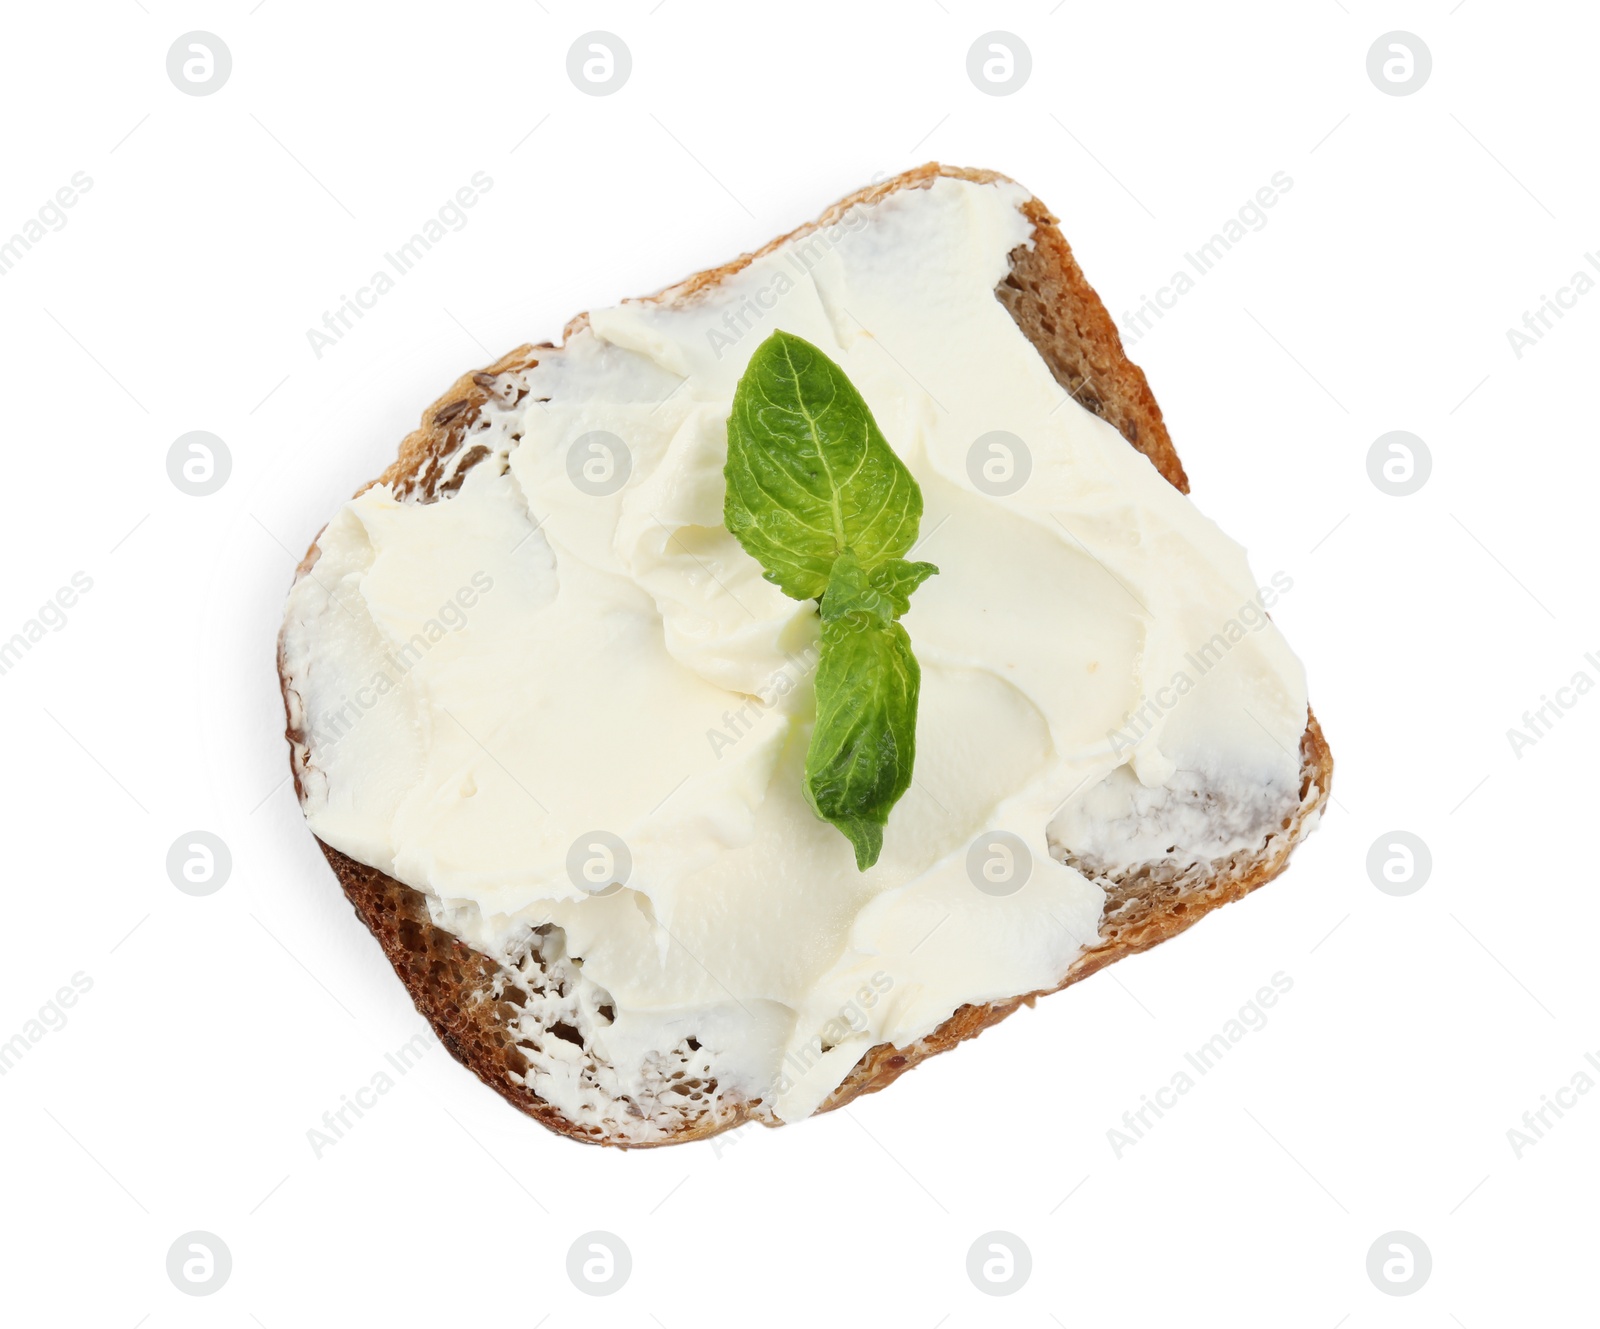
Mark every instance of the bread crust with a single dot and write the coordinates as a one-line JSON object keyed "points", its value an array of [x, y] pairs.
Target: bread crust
{"points": [[464, 994]]}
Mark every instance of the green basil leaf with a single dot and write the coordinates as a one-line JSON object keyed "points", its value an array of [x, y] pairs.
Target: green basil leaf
{"points": [[882, 590], [865, 738], [809, 473]]}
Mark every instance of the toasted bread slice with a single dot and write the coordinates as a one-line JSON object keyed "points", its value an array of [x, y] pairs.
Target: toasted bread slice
{"points": [[501, 1021]]}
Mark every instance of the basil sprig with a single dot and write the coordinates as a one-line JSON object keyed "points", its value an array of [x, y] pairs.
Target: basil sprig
{"points": [[817, 496]]}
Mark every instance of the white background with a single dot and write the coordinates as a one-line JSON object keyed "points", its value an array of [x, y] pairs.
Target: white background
{"points": [[217, 1030]]}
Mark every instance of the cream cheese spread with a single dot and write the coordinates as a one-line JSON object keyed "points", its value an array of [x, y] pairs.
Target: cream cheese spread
{"points": [[567, 674]]}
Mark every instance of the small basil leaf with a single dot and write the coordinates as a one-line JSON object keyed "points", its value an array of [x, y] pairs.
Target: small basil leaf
{"points": [[809, 472], [864, 742], [881, 589]]}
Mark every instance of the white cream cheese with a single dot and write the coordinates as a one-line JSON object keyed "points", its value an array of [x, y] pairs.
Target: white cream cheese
{"points": [[486, 681]]}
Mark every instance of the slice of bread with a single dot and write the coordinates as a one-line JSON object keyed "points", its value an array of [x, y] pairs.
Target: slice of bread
{"points": [[504, 1022]]}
